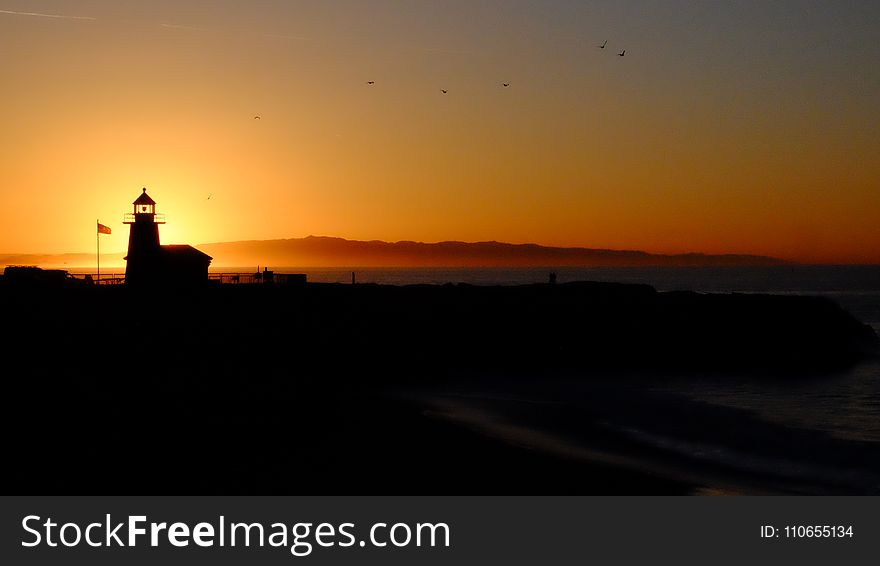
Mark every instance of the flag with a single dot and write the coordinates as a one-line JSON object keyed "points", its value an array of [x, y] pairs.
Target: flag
{"points": [[103, 229]]}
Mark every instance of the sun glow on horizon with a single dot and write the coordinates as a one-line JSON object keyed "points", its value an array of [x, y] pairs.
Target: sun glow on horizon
{"points": [[744, 129]]}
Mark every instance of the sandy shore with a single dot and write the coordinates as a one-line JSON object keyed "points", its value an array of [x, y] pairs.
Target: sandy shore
{"points": [[621, 427]]}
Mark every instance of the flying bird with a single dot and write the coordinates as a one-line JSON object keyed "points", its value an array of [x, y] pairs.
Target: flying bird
{"points": [[443, 90], [603, 45], [209, 196], [258, 117], [371, 82], [622, 53], [505, 84]]}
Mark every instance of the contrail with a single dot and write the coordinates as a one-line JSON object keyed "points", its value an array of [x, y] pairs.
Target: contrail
{"points": [[442, 51], [285, 36], [183, 26], [39, 15]]}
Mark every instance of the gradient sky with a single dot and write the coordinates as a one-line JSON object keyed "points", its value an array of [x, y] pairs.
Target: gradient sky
{"points": [[728, 127]]}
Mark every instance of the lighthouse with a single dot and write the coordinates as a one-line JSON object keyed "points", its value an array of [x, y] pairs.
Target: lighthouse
{"points": [[143, 262], [149, 263]]}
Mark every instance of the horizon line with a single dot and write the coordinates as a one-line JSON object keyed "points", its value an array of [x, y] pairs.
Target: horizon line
{"points": [[453, 241]]}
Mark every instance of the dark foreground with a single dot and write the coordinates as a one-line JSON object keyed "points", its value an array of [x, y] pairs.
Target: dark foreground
{"points": [[421, 389]]}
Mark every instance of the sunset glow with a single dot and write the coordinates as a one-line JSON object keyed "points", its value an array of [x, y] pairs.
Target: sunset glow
{"points": [[728, 127]]}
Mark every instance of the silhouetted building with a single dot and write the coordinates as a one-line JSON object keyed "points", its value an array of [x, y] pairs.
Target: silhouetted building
{"points": [[35, 276], [186, 263], [150, 263]]}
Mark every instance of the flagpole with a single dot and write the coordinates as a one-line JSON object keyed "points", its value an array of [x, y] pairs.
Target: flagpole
{"points": [[98, 254]]}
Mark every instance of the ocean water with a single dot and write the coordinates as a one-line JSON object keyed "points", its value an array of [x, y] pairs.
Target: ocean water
{"points": [[845, 405]]}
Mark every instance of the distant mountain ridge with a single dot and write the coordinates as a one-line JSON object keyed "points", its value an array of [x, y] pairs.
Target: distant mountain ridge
{"points": [[324, 251]]}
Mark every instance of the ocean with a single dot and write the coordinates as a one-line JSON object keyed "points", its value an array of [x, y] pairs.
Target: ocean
{"points": [[845, 405], [856, 288]]}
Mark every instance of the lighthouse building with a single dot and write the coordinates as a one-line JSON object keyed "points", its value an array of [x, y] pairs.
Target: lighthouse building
{"points": [[149, 263]]}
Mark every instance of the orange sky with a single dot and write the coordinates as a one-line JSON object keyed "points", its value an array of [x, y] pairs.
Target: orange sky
{"points": [[730, 128]]}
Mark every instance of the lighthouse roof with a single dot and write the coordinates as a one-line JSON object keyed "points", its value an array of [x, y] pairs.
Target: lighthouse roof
{"points": [[144, 199], [185, 251]]}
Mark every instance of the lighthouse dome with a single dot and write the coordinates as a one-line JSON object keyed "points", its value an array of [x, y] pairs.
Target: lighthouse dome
{"points": [[144, 198]]}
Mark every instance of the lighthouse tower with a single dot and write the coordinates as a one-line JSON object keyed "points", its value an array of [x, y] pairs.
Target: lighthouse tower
{"points": [[145, 256]]}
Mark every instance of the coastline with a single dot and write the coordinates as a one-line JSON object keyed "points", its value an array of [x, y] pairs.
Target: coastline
{"points": [[395, 389], [697, 449]]}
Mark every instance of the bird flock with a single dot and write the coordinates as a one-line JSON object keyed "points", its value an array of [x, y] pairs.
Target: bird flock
{"points": [[504, 85], [605, 44], [507, 85]]}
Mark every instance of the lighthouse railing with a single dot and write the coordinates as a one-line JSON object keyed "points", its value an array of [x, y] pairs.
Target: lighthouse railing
{"points": [[117, 277], [129, 218]]}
